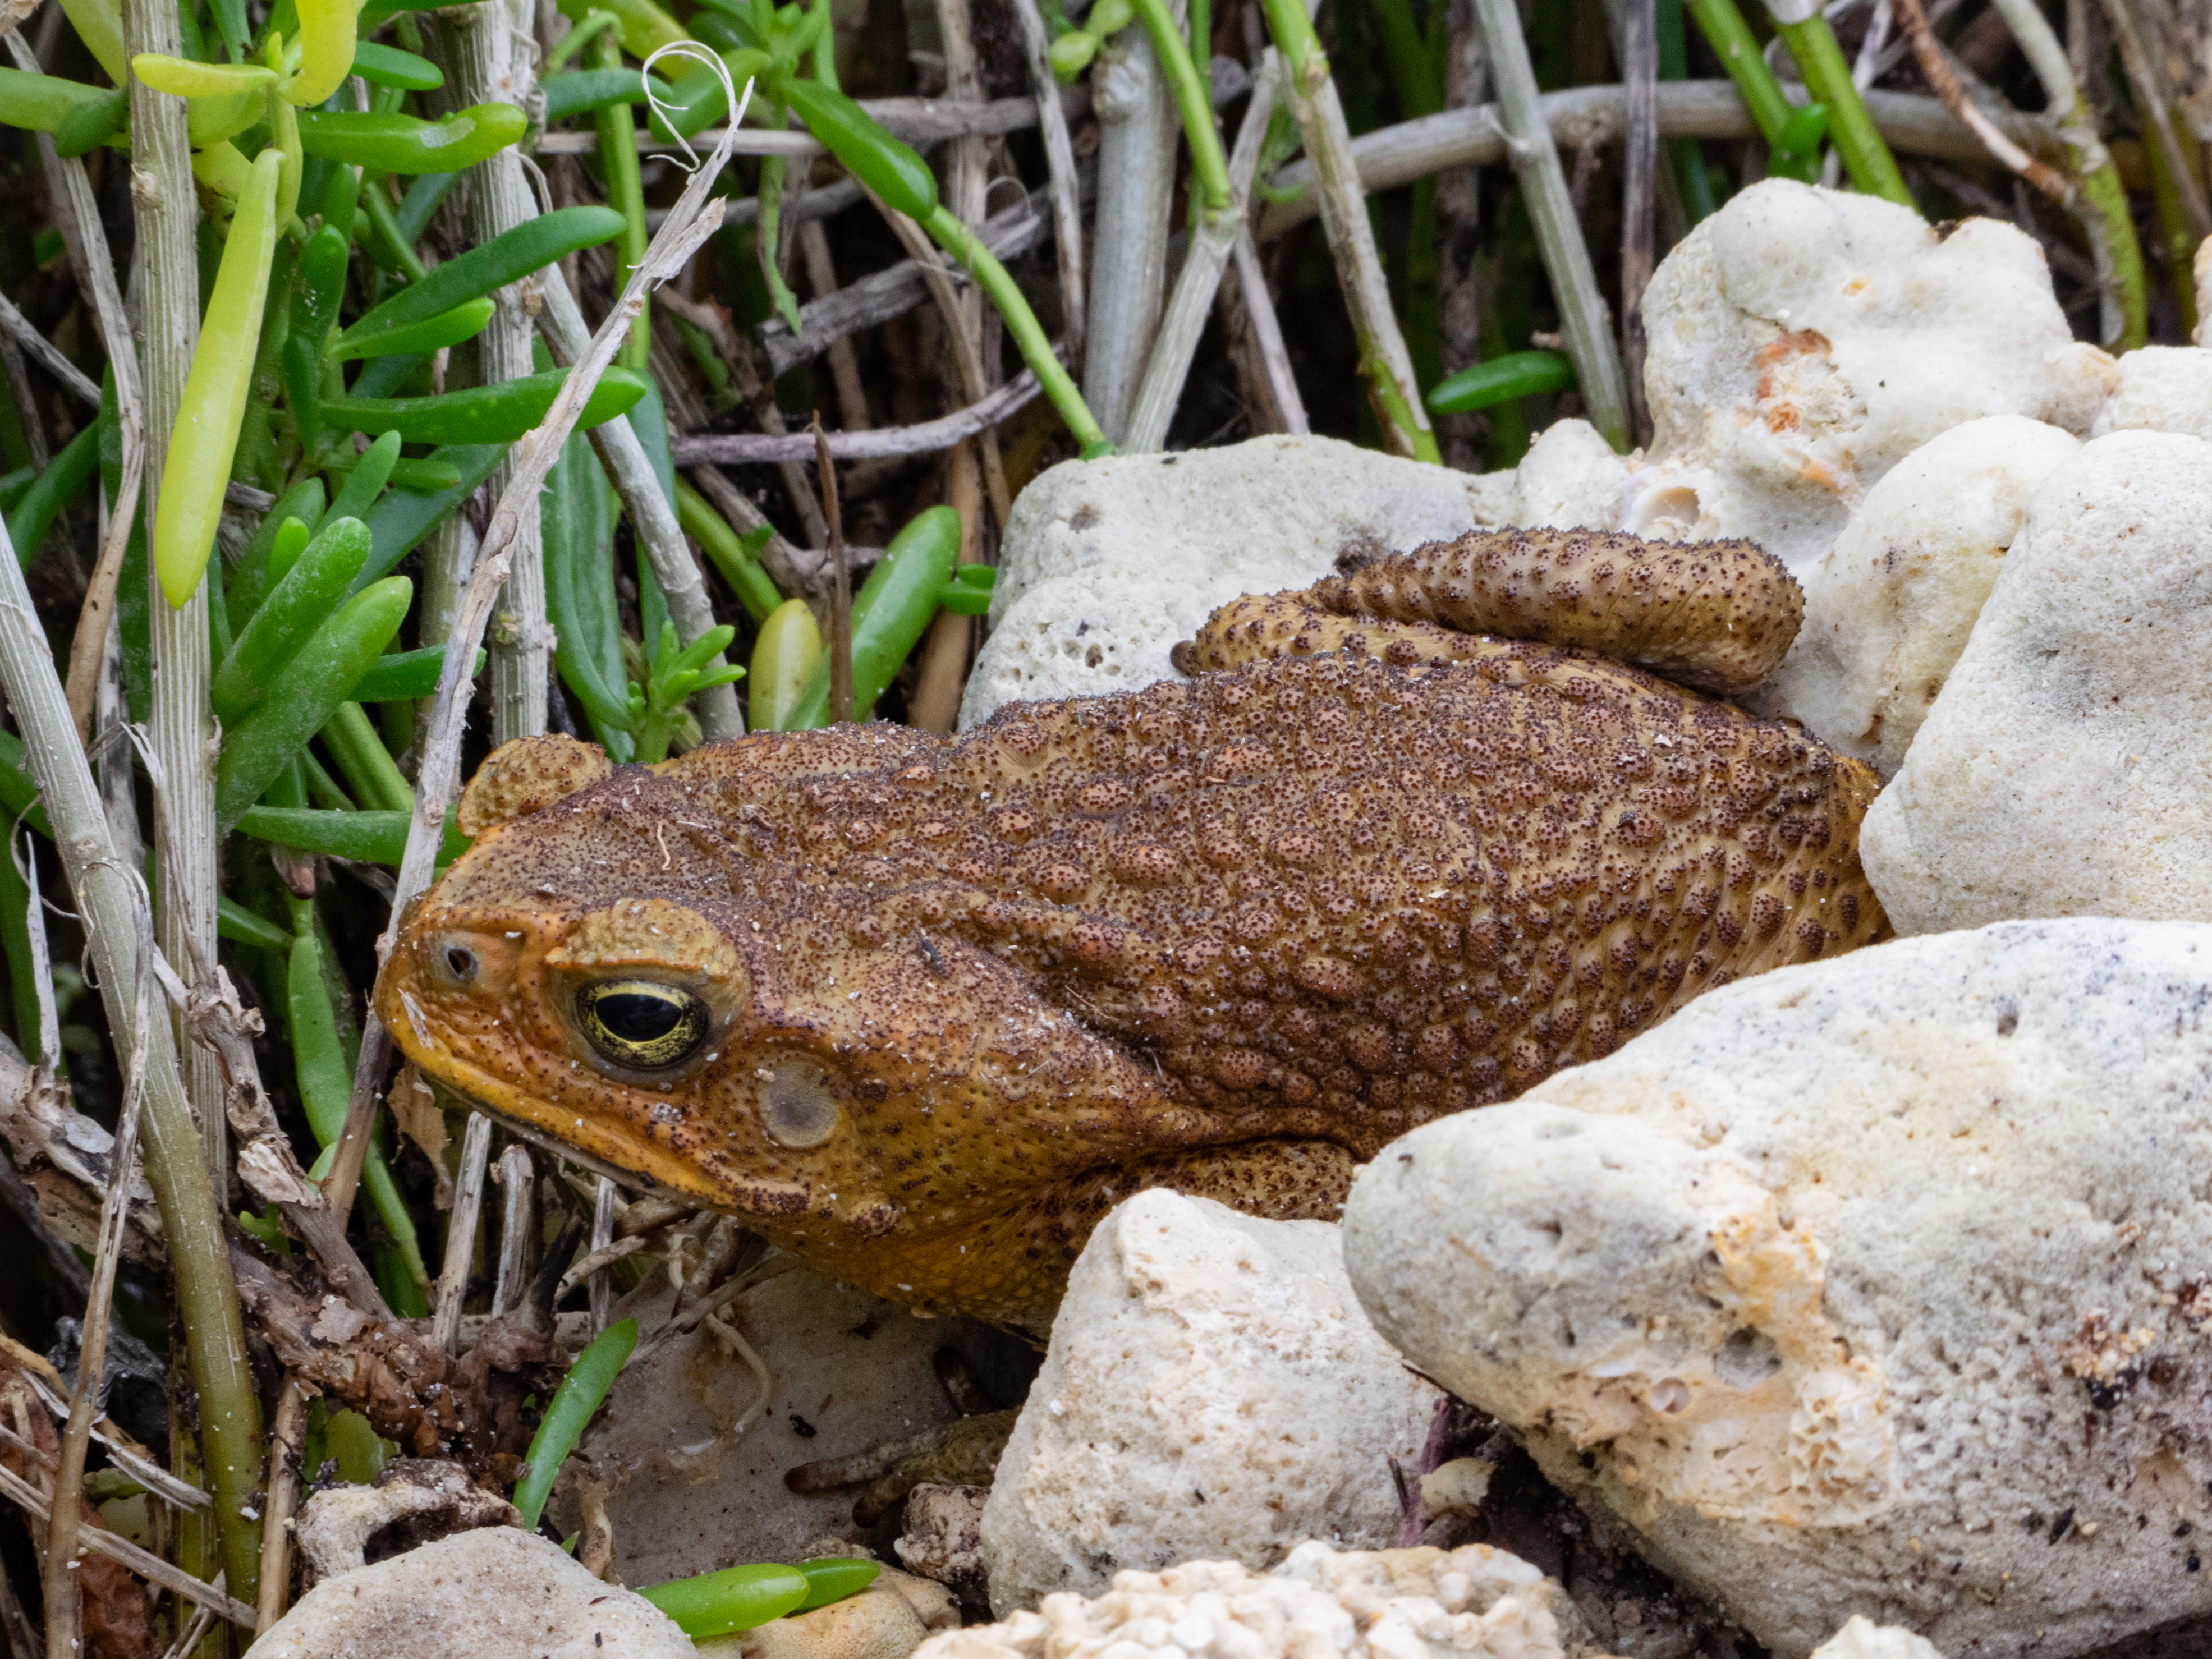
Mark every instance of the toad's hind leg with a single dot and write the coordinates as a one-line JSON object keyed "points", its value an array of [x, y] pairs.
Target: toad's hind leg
{"points": [[1261, 626], [1717, 615], [1013, 1268]]}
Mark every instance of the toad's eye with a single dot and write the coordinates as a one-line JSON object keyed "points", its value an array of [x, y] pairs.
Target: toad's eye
{"points": [[641, 1025]]}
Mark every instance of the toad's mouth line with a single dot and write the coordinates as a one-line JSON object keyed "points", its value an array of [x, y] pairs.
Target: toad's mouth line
{"points": [[595, 1146], [607, 1149]]}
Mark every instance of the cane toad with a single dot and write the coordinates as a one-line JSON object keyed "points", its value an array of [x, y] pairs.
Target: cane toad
{"points": [[921, 1011]]}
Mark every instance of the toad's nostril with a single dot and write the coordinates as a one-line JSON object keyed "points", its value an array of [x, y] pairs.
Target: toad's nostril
{"points": [[462, 964]]}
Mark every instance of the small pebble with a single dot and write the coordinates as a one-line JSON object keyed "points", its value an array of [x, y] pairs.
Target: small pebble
{"points": [[1192, 1634]]}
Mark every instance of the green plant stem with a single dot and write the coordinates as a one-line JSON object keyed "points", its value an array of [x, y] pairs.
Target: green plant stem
{"points": [[1737, 48], [2104, 212], [385, 226], [23, 963], [1194, 95], [2114, 238], [1686, 156], [957, 240], [1417, 77], [577, 39], [322, 787], [366, 763], [1828, 81], [1292, 31], [825, 50], [618, 164], [754, 587], [2176, 233]]}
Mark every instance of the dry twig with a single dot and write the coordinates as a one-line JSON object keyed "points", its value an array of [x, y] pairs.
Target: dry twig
{"points": [[796, 570], [1936, 67], [841, 587], [124, 1452], [288, 1439], [49, 355], [1580, 117], [1211, 249], [2155, 103], [78, 216], [65, 1615], [147, 1565], [1063, 183], [518, 1180], [743, 448], [461, 1233]]}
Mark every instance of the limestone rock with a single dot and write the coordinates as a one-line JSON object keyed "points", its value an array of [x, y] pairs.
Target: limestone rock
{"points": [[933, 1603], [943, 1540], [1107, 564], [1872, 1285], [2064, 770], [879, 1623], [412, 1501], [1212, 1391], [1803, 342], [1888, 609], [1470, 1603], [2160, 389], [1570, 479], [498, 1593], [1862, 1638]]}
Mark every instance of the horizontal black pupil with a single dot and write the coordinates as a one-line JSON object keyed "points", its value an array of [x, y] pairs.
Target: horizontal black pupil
{"points": [[636, 1017]]}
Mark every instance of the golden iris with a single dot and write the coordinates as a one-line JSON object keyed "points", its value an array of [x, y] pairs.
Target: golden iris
{"points": [[641, 1025]]}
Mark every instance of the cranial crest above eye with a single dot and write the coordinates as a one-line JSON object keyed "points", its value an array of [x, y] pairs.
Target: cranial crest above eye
{"points": [[528, 775], [648, 933]]}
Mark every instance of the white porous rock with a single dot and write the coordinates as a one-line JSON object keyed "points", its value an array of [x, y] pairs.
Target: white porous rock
{"points": [[1862, 1638], [1874, 1285], [1475, 1602], [2160, 389], [942, 1538], [497, 1593], [2065, 769], [879, 1623], [1888, 609], [418, 1498], [1212, 1390], [1804, 341], [1107, 564], [1570, 479]]}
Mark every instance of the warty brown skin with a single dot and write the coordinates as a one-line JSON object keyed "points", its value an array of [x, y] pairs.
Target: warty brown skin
{"points": [[1715, 616], [1230, 936]]}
